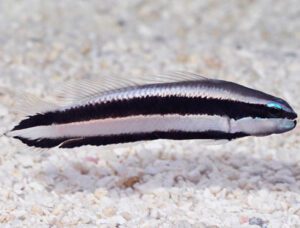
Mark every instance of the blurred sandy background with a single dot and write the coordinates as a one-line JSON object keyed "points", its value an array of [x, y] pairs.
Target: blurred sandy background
{"points": [[248, 183]]}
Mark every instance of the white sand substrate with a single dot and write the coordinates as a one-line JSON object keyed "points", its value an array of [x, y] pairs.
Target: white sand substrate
{"points": [[253, 182]]}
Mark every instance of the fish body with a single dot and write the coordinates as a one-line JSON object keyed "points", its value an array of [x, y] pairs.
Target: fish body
{"points": [[189, 108]]}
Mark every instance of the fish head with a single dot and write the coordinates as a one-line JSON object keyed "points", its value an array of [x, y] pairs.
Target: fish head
{"points": [[282, 115], [275, 117], [263, 115]]}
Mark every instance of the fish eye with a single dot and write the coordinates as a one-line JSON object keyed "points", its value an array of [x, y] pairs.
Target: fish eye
{"points": [[275, 105], [275, 109]]}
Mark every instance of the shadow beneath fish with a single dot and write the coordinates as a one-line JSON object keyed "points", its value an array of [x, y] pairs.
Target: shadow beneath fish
{"points": [[142, 171]]}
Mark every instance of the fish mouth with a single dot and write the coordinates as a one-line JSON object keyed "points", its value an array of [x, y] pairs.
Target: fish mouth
{"points": [[292, 116], [293, 124], [287, 125], [294, 119], [288, 122]]}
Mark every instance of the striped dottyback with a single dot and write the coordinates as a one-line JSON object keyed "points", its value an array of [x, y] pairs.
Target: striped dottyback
{"points": [[177, 106]]}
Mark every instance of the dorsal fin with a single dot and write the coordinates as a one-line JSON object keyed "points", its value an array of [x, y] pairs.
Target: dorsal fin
{"points": [[28, 104], [176, 76], [76, 91]]}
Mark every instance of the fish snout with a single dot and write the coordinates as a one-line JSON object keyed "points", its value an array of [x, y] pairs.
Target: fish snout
{"points": [[286, 125]]}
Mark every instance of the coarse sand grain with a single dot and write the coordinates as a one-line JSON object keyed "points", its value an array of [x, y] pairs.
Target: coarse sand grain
{"points": [[253, 182]]}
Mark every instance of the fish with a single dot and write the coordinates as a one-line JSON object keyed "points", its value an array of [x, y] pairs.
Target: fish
{"points": [[173, 106]]}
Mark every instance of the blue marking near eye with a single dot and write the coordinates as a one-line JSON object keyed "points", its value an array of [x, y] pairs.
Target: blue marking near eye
{"points": [[274, 105]]}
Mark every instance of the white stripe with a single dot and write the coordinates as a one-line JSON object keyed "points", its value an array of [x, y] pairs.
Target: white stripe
{"points": [[196, 91], [129, 125], [261, 127]]}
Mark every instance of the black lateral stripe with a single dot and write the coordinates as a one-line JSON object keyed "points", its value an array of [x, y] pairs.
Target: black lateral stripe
{"points": [[126, 138], [149, 106]]}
